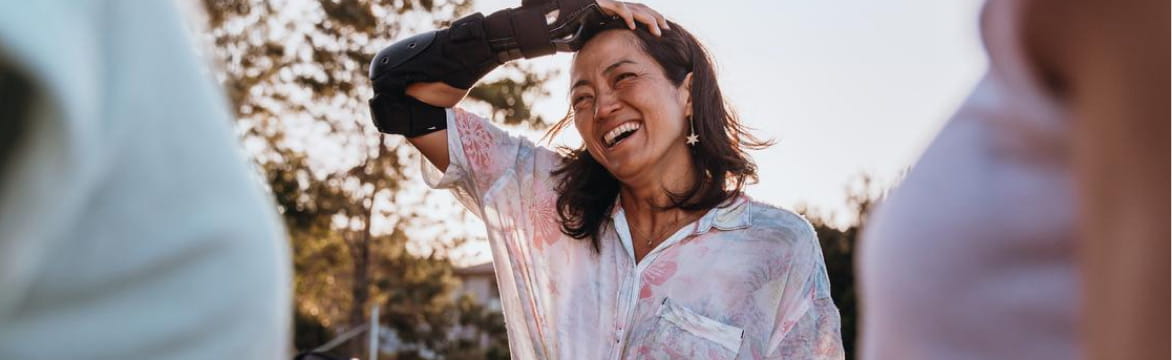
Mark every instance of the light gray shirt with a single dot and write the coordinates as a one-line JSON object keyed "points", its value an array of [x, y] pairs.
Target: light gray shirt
{"points": [[130, 225]]}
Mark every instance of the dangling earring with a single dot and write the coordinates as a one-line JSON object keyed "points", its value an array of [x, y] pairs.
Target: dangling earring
{"points": [[693, 138]]}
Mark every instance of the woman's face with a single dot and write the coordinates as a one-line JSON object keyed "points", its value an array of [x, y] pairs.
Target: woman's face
{"points": [[632, 118]]}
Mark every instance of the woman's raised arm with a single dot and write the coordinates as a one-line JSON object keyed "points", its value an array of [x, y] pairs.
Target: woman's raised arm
{"points": [[440, 66], [416, 78]]}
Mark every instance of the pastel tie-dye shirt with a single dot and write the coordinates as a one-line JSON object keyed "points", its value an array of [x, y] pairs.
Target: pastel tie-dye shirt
{"points": [[745, 281]]}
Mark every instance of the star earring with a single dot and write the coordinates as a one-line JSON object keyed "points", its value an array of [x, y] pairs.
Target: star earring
{"points": [[693, 138]]}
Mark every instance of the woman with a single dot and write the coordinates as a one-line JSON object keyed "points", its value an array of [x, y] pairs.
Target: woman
{"points": [[639, 243]]}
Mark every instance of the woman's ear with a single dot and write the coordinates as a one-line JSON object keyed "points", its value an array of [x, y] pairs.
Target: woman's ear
{"points": [[685, 90]]}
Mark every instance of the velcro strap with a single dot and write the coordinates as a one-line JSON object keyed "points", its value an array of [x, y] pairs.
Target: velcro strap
{"points": [[468, 28], [530, 30], [404, 115], [569, 9], [498, 27]]}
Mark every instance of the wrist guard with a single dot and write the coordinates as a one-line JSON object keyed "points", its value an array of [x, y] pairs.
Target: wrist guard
{"points": [[467, 50]]}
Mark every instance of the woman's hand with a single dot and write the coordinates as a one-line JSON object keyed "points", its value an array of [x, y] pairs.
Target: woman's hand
{"points": [[631, 12], [444, 95]]}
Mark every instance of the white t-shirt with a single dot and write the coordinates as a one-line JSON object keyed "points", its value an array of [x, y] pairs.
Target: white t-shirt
{"points": [[132, 227], [972, 256]]}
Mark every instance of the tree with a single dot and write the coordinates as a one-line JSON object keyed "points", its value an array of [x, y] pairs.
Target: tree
{"points": [[295, 75]]}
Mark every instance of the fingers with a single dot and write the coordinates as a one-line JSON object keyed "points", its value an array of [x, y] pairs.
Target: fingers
{"points": [[650, 20], [620, 9], [624, 12], [632, 12]]}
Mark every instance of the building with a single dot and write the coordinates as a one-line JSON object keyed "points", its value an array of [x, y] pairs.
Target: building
{"points": [[479, 281]]}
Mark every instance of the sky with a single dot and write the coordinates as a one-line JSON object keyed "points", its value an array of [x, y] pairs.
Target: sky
{"points": [[845, 87]]}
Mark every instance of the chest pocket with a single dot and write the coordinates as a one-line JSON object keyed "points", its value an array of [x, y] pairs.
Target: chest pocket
{"points": [[680, 333]]}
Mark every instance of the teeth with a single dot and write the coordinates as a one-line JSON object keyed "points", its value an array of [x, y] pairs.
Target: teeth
{"points": [[609, 138]]}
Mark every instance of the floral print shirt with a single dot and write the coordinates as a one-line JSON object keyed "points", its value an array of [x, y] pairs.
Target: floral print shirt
{"points": [[745, 281]]}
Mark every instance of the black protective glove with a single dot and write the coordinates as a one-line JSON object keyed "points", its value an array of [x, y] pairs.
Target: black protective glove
{"points": [[463, 53]]}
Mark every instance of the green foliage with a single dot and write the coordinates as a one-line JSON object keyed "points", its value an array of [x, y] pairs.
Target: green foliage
{"points": [[297, 65], [311, 332], [504, 94], [295, 76]]}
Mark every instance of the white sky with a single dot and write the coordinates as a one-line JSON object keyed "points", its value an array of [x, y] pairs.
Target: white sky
{"points": [[846, 87]]}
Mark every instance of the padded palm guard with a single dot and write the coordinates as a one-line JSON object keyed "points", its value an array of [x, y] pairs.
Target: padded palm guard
{"points": [[462, 54], [404, 115]]}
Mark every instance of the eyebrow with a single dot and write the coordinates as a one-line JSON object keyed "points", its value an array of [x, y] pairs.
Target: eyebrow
{"points": [[608, 69]]}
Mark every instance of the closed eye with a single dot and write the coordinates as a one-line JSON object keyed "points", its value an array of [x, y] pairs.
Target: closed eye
{"points": [[580, 100]]}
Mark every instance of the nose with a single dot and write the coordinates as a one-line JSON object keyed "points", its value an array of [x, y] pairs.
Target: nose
{"points": [[607, 104]]}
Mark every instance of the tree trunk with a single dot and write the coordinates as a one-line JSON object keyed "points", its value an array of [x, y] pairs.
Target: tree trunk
{"points": [[360, 289]]}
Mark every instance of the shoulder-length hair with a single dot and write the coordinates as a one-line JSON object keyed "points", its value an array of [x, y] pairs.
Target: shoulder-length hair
{"points": [[587, 191]]}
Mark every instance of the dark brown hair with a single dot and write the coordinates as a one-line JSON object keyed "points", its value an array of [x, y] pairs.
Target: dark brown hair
{"points": [[587, 191]]}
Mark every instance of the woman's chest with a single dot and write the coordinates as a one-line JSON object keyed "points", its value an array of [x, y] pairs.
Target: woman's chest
{"points": [[692, 300]]}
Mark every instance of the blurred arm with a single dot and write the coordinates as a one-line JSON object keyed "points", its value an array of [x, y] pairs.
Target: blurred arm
{"points": [[1109, 61]]}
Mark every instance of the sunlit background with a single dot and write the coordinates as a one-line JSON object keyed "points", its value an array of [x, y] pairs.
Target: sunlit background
{"points": [[847, 88], [852, 91]]}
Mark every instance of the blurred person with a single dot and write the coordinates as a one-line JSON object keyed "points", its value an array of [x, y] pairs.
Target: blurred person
{"points": [[130, 225], [638, 244], [1034, 225]]}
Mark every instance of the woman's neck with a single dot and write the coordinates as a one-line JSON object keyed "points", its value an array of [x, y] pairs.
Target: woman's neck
{"points": [[646, 204]]}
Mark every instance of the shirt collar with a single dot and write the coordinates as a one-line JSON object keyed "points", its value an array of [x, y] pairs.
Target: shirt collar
{"points": [[731, 215]]}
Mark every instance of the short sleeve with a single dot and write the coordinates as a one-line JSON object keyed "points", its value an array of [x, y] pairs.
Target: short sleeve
{"points": [[808, 325], [479, 155], [815, 335], [506, 181]]}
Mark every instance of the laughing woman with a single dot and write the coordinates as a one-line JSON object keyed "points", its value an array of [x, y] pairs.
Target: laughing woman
{"points": [[640, 243]]}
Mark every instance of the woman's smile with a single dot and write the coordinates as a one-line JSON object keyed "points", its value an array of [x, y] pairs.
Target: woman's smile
{"points": [[619, 134], [634, 192]]}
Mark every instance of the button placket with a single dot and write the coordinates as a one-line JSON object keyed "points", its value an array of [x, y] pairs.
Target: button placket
{"points": [[627, 300]]}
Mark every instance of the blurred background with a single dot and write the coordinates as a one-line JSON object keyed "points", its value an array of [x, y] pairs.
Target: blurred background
{"points": [[852, 90]]}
